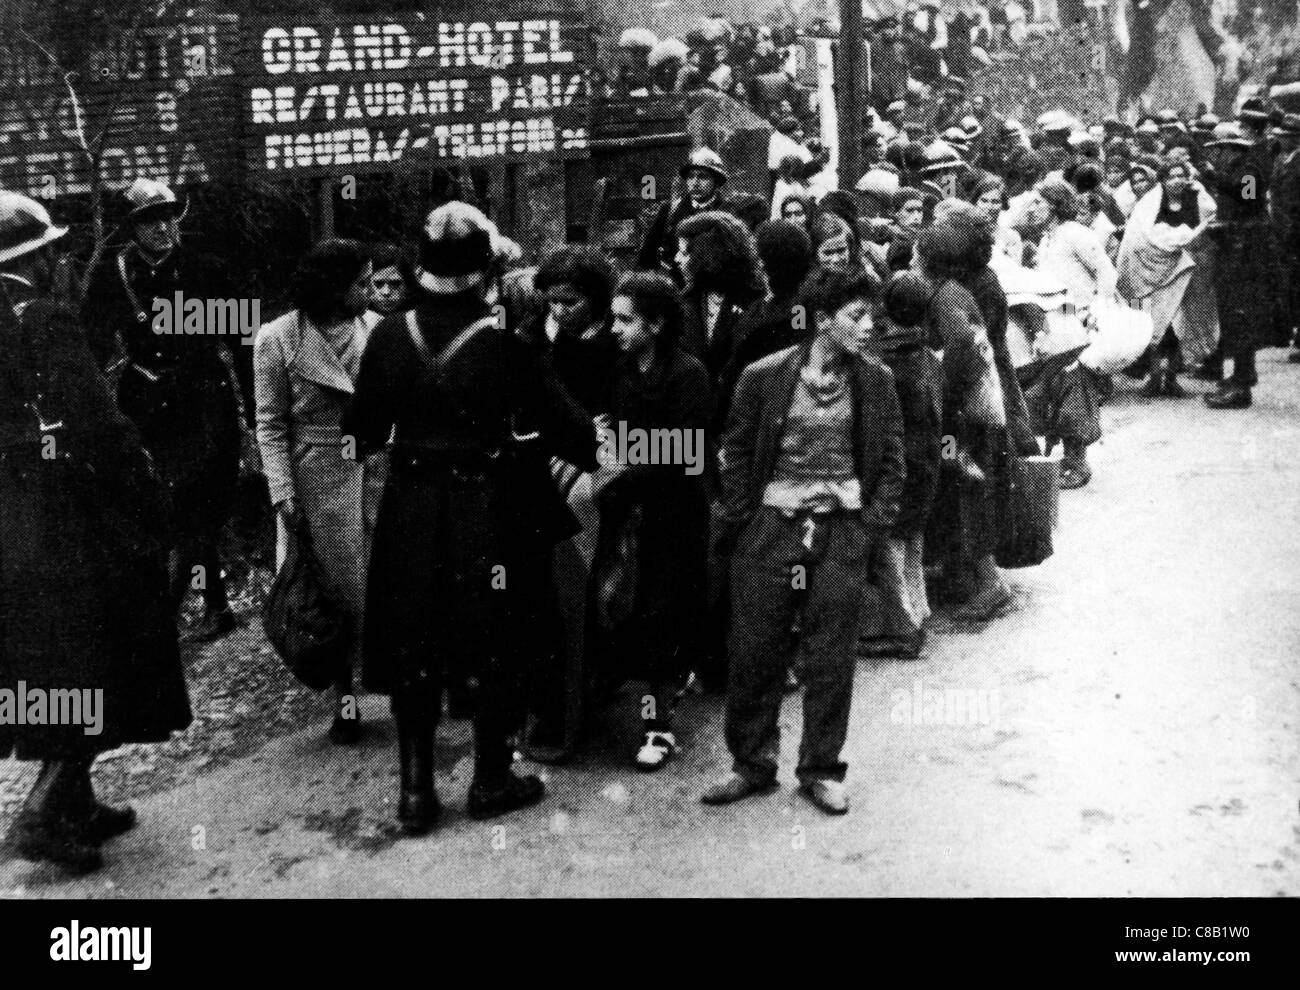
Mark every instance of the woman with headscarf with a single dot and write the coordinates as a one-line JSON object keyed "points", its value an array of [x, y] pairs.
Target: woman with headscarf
{"points": [[1139, 180], [1164, 271]]}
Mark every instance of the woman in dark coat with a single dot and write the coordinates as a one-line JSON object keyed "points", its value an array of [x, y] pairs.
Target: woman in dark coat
{"points": [[571, 333], [898, 570], [656, 387], [724, 276], [769, 325], [964, 527], [84, 606]]}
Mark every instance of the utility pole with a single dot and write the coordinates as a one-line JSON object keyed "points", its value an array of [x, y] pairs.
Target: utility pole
{"points": [[852, 101], [1101, 50]]}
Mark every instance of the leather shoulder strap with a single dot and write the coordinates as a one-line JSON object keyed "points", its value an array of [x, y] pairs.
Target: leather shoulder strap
{"points": [[435, 362]]}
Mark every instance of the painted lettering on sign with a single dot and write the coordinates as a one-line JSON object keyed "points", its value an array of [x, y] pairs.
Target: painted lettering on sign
{"points": [[361, 96]]}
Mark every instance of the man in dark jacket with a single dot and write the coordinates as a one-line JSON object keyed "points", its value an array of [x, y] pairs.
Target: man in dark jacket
{"points": [[812, 473], [1284, 213], [84, 619], [1237, 174], [459, 578], [175, 386], [704, 177]]}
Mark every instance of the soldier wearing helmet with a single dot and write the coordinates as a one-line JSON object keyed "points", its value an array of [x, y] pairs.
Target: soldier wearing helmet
{"points": [[175, 386], [703, 176], [83, 578]]}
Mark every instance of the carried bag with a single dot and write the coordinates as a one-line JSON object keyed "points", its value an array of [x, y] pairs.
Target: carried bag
{"points": [[1030, 507], [614, 572], [1119, 338], [302, 617]]}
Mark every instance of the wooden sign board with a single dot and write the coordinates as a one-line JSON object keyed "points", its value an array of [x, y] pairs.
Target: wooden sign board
{"points": [[326, 95]]}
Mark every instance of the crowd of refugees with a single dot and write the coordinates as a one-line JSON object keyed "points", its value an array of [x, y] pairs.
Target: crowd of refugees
{"points": [[763, 451]]}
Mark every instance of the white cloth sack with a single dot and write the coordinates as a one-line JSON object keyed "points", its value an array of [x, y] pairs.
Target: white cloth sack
{"points": [[1119, 337]]}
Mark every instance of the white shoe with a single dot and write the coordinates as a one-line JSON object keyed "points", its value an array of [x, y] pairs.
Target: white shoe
{"points": [[655, 750]]}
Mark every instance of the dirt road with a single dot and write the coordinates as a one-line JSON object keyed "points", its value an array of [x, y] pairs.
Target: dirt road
{"points": [[1130, 729]]}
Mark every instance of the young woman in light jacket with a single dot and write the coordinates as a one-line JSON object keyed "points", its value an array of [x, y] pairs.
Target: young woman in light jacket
{"points": [[305, 366]]}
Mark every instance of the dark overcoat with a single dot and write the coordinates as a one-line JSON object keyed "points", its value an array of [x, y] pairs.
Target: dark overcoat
{"points": [[664, 635], [1245, 270], [467, 514], [176, 388], [83, 578]]}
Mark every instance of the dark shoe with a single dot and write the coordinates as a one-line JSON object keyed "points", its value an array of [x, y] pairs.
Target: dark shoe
{"points": [[1074, 474], [1152, 388], [830, 796], [417, 806], [1172, 389], [1294, 357], [910, 647], [1229, 396], [106, 822], [892, 647], [1209, 370], [345, 731], [418, 811], [882, 647], [734, 787], [60, 843], [490, 798], [985, 604], [211, 627], [545, 744]]}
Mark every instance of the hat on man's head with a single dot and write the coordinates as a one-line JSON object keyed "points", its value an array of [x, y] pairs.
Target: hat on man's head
{"points": [[456, 248], [1229, 133], [940, 156], [880, 180], [1166, 118], [898, 106], [1254, 111], [706, 160], [1147, 126], [956, 138], [971, 126], [150, 199], [25, 225], [1206, 123]]}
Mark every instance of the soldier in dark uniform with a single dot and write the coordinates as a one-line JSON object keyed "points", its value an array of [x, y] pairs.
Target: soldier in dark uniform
{"points": [[84, 613], [459, 579], [1284, 212], [1237, 174], [704, 177], [174, 386]]}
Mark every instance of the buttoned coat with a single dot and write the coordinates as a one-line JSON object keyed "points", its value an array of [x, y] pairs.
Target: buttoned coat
{"points": [[302, 389]]}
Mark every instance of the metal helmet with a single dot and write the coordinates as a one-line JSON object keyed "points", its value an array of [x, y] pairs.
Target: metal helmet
{"points": [[25, 225], [707, 160], [1229, 133]]}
